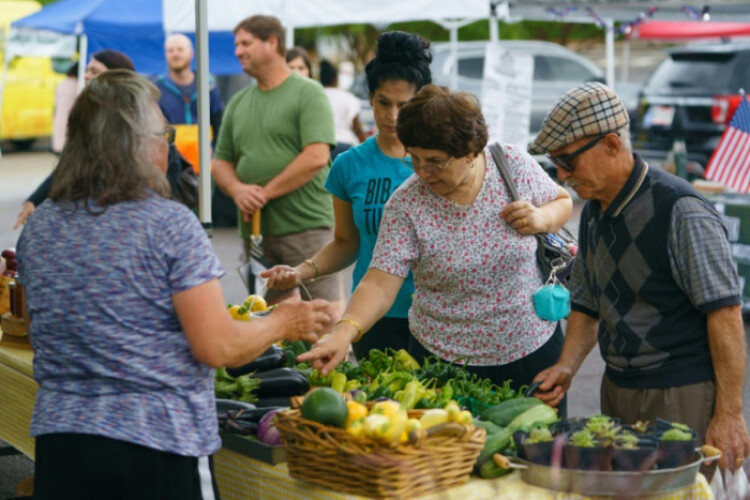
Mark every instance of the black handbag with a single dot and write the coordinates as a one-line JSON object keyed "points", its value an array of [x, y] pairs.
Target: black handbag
{"points": [[182, 179], [554, 250]]}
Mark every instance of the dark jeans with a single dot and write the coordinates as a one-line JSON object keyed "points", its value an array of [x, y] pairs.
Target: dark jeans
{"points": [[521, 372], [388, 332], [84, 466]]}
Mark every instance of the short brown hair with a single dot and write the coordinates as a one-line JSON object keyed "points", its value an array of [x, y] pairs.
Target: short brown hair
{"points": [[108, 146], [264, 27], [437, 118]]}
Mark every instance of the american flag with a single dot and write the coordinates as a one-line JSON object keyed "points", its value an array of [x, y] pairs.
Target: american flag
{"points": [[730, 162]]}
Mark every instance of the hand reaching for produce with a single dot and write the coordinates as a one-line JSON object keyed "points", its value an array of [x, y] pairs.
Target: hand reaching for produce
{"points": [[555, 383], [303, 320], [525, 218], [282, 277], [329, 351]]}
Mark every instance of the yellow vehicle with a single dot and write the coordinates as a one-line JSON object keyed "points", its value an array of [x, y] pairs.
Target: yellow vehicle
{"points": [[29, 92]]}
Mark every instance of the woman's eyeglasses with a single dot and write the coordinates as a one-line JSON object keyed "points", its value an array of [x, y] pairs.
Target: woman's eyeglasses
{"points": [[565, 162], [428, 166]]}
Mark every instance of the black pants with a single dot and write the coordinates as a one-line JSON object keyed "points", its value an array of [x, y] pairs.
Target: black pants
{"points": [[83, 467], [520, 372], [388, 332]]}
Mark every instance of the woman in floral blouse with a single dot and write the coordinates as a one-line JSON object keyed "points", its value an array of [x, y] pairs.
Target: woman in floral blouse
{"points": [[469, 247]]}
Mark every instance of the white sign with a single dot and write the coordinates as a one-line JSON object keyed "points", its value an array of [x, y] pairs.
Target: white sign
{"points": [[40, 43], [506, 95]]}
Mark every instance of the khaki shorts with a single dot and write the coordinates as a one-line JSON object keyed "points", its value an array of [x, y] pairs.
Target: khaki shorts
{"points": [[692, 405], [292, 250]]}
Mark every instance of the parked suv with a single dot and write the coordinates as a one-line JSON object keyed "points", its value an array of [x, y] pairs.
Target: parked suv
{"points": [[556, 70], [691, 95]]}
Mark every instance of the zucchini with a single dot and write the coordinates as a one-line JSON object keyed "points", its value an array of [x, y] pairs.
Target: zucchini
{"points": [[494, 443], [490, 470], [503, 413], [488, 426], [539, 414]]}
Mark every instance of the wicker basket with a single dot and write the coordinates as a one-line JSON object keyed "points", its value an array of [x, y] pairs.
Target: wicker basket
{"points": [[331, 457]]}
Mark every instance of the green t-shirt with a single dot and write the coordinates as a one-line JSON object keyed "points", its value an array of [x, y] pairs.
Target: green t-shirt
{"points": [[262, 132]]}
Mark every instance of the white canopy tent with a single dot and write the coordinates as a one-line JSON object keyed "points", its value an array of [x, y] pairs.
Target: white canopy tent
{"points": [[224, 15]]}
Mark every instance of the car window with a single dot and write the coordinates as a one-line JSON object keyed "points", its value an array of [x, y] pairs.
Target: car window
{"points": [[471, 67], [561, 69], [693, 70]]}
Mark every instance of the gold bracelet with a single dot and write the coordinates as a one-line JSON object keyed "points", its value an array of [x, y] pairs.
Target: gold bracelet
{"points": [[360, 332], [310, 263]]}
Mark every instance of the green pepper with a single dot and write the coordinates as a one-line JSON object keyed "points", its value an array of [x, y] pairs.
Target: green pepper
{"points": [[410, 394], [381, 392], [351, 385], [338, 381], [406, 360]]}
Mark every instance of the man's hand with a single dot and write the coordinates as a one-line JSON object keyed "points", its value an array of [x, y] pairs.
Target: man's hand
{"points": [[248, 198], [728, 432], [556, 382]]}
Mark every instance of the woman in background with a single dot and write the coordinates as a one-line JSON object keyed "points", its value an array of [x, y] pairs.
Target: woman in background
{"points": [[363, 178], [100, 62], [298, 60]]}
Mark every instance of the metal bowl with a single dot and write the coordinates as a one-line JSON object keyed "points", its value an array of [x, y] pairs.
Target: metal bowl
{"points": [[628, 484]]}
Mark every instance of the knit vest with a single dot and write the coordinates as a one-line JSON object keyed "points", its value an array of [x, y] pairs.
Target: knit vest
{"points": [[650, 334]]}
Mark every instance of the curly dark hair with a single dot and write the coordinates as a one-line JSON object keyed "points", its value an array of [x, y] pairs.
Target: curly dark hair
{"points": [[400, 56], [437, 118]]}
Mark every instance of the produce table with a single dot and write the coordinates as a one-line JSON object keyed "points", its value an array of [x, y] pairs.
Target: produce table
{"points": [[240, 477], [17, 393]]}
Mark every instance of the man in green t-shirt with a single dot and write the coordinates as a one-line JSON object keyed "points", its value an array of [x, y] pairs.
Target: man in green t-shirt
{"points": [[273, 152]]}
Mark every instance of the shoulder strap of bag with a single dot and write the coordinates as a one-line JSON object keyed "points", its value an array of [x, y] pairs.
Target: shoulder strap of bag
{"points": [[502, 165]]}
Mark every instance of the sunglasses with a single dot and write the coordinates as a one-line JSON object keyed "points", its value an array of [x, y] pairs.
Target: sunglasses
{"points": [[565, 162]]}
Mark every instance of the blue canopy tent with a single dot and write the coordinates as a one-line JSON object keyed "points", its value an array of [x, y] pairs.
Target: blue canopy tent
{"points": [[134, 27]]}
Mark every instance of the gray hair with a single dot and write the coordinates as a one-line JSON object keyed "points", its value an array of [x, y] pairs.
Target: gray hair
{"points": [[110, 143], [624, 134]]}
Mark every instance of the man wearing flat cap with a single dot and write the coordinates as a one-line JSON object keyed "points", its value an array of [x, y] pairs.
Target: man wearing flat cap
{"points": [[654, 282]]}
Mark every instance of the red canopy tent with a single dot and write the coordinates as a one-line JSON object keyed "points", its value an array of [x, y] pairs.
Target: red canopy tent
{"points": [[688, 30]]}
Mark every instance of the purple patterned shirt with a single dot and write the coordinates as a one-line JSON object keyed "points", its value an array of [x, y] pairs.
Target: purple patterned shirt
{"points": [[110, 356]]}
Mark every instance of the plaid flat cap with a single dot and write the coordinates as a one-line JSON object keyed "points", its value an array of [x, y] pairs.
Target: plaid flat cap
{"points": [[587, 110]]}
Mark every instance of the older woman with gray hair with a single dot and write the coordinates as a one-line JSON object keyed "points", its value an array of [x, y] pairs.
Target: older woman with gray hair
{"points": [[127, 314]]}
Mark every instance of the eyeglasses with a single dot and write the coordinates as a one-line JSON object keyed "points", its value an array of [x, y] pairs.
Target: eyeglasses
{"points": [[565, 162], [427, 166], [169, 133]]}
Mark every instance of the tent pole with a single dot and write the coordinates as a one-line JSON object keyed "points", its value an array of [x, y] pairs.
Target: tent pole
{"points": [[609, 39], [625, 65], [83, 48], [289, 36], [204, 145]]}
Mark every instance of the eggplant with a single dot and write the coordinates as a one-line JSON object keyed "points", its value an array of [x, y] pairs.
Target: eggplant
{"points": [[270, 403], [240, 427], [274, 357], [225, 405], [255, 414], [281, 382]]}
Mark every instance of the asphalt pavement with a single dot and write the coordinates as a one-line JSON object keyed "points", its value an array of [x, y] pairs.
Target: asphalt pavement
{"points": [[21, 172]]}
